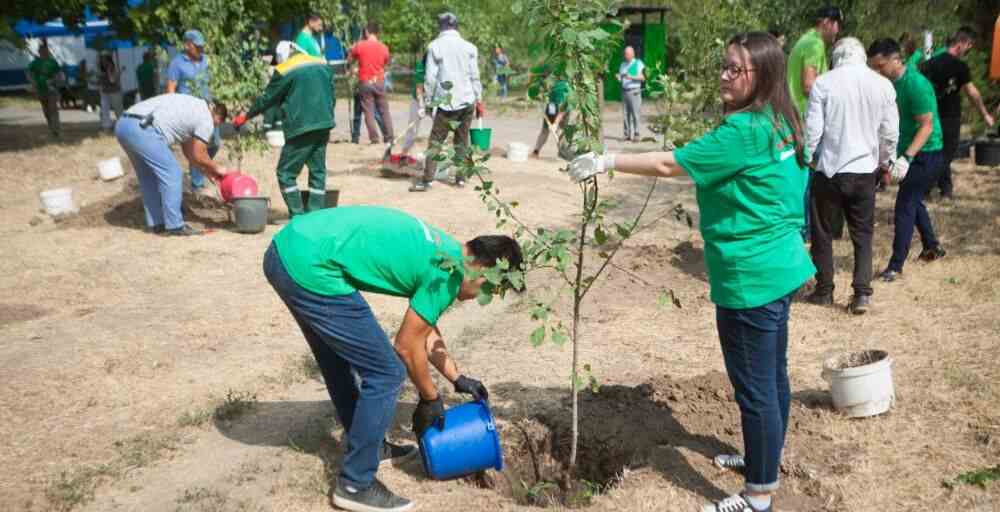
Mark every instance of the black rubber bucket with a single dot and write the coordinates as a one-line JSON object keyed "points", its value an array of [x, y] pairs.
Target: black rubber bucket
{"points": [[964, 149], [988, 152]]}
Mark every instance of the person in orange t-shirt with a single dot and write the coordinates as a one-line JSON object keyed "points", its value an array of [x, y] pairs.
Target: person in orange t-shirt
{"points": [[372, 57]]}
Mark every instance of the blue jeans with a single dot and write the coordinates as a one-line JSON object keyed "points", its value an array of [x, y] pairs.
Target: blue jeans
{"points": [[755, 347], [503, 81], [910, 210], [345, 338], [161, 179], [197, 178]]}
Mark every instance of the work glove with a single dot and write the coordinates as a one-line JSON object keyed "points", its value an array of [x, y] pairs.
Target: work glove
{"points": [[472, 387], [590, 164], [239, 121], [427, 413], [480, 110], [899, 169]]}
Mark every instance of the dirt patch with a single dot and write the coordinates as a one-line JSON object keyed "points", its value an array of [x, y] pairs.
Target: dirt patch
{"points": [[125, 209], [856, 359], [650, 425], [11, 314]]}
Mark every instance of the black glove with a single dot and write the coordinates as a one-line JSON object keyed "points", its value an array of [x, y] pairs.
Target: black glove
{"points": [[472, 387], [428, 413]]}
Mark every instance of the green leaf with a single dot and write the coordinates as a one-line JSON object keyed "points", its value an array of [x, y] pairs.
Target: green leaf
{"points": [[484, 297], [538, 336], [623, 231], [600, 236], [559, 336]]}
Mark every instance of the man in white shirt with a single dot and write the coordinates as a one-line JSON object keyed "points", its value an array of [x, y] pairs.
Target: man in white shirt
{"points": [[450, 59], [632, 73], [852, 128]]}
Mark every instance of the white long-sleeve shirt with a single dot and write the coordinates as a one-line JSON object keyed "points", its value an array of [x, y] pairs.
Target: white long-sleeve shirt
{"points": [[852, 123], [453, 59]]}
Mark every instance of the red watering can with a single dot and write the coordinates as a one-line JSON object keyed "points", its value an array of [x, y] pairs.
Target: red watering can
{"points": [[237, 184]]}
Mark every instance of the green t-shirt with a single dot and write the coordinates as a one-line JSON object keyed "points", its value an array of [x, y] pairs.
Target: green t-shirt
{"points": [[307, 42], [559, 94], [145, 74], [43, 70], [809, 51], [341, 250], [749, 190], [419, 72], [914, 97]]}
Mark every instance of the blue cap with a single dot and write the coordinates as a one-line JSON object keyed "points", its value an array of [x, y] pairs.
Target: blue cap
{"points": [[195, 37]]}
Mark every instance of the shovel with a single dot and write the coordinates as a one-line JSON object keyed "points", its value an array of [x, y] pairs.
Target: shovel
{"points": [[388, 150]]}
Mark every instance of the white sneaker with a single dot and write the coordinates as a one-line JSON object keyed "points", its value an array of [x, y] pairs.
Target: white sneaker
{"points": [[734, 503], [730, 461]]}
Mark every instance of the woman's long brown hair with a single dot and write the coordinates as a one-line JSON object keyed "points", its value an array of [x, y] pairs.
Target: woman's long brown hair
{"points": [[770, 86]]}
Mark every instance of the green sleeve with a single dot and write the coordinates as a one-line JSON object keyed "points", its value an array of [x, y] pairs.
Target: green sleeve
{"points": [[273, 94], [715, 156], [438, 289], [924, 101], [814, 55], [418, 72]]}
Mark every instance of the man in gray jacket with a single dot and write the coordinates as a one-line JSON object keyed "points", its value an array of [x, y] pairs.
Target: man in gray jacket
{"points": [[455, 61], [852, 128]]}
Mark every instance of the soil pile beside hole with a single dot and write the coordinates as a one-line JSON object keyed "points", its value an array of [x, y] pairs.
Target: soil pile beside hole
{"points": [[125, 209], [856, 359], [648, 426]]}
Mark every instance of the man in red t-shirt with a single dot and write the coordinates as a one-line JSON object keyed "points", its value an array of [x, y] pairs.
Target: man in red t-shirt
{"points": [[372, 57]]}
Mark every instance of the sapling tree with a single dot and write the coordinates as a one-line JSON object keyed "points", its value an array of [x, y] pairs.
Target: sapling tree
{"points": [[577, 51]]}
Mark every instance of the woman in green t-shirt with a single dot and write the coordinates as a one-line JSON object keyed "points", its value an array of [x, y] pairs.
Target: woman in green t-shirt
{"points": [[750, 175]]}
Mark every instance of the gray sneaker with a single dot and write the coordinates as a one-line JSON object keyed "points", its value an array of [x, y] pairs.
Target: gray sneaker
{"points": [[375, 498], [730, 461], [396, 453], [420, 186]]}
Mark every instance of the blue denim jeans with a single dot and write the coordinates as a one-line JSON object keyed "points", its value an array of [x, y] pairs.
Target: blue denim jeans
{"points": [[910, 210], [161, 180], [755, 347], [346, 338], [197, 178]]}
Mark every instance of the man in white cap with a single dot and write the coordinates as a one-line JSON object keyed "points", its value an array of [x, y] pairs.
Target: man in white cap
{"points": [[450, 59], [188, 74], [852, 128]]}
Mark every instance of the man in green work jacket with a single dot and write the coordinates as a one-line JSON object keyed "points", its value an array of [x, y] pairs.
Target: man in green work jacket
{"points": [[302, 87]]}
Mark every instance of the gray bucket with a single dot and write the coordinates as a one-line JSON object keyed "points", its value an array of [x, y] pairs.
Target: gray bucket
{"points": [[250, 213]]}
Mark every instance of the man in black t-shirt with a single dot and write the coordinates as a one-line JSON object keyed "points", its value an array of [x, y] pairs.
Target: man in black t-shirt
{"points": [[950, 74]]}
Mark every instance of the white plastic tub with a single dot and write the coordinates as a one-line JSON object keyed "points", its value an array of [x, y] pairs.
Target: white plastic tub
{"points": [[276, 138], [110, 169], [861, 383], [517, 152], [58, 201]]}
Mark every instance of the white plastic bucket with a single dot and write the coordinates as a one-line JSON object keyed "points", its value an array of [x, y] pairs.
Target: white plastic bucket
{"points": [[110, 169], [58, 201], [517, 152], [862, 390], [276, 138]]}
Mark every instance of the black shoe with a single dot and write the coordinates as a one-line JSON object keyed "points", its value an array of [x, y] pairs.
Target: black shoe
{"points": [[185, 230], [859, 304], [888, 276], [820, 299], [391, 453], [460, 182], [373, 499], [932, 254], [157, 229]]}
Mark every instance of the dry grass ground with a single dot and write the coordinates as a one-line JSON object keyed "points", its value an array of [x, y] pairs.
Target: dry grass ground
{"points": [[144, 373]]}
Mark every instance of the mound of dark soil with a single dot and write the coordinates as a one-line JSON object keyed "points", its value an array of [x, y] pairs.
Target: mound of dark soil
{"points": [[644, 426]]}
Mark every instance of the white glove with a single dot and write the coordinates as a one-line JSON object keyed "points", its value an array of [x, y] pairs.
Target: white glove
{"points": [[899, 169], [590, 164]]}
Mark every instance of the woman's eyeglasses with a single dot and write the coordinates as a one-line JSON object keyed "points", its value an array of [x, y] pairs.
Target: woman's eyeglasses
{"points": [[732, 71]]}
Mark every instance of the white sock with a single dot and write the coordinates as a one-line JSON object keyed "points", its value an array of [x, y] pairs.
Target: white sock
{"points": [[758, 502]]}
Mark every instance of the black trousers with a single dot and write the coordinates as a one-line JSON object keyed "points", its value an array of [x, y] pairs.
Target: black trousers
{"points": [[845, 195], [951, 128]]}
